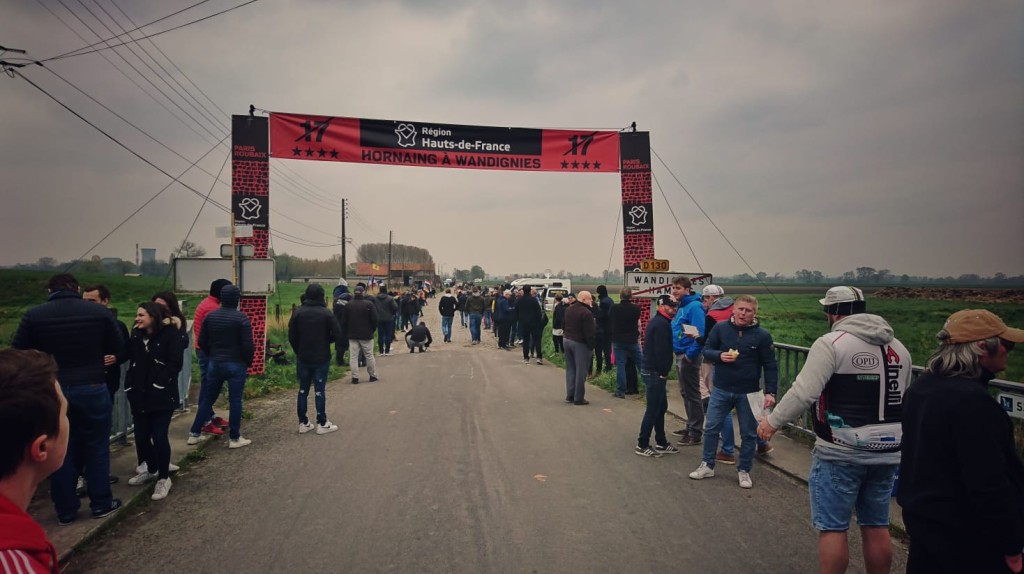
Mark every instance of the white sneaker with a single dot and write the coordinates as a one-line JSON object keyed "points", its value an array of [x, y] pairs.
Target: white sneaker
{"points": [[141, 478], [163, 486], [171, 467], [745, 481], [326, 428], [305, 427], [703, 471], [239, 442], [193, 440]]}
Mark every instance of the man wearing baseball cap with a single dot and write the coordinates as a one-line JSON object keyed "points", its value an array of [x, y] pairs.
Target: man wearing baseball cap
{"points": [[856, 376], [961, 479]]}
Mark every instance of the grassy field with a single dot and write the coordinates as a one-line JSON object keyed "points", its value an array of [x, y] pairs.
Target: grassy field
{"points": [[793, 318]]}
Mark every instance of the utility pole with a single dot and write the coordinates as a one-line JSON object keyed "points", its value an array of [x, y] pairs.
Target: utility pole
{"points": [[390, 237], [344, 240]]}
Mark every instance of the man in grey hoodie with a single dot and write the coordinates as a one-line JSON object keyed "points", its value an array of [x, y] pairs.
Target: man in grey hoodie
{"points": [[856, 376]]}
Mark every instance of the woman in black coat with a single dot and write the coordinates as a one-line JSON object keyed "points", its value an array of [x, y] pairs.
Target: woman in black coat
{"points": [[155, 357]]}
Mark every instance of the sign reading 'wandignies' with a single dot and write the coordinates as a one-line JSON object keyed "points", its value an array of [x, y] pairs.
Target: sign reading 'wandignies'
{"points": [[394, 142]]}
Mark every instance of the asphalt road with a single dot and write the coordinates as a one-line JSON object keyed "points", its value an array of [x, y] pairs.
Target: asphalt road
{"points": [[462, 459]]}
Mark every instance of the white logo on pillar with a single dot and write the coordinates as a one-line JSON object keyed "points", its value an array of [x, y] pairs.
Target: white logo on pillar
{"points": [[639, 214]]}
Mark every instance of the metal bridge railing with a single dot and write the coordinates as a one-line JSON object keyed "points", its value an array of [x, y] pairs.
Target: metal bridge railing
{"points": [[791, 359]]}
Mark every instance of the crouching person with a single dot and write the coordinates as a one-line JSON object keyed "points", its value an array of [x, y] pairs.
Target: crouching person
{"points": [[418, 338]]}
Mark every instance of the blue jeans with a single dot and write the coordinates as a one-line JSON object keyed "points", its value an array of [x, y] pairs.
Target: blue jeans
{"points": [[89, 418], [204, 367], [414, 319], [487, 319], [315, 374], [218, 373], [623, 351], [462, 317], [654, 415], [446, 327], [839, 487], [385, 335], [719, 405], [474, 326]]}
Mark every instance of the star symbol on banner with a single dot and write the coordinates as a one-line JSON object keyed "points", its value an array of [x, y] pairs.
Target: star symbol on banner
{"points": [[586, 165], [565, 164], [334, 154], [575, 165], [597, 165], [296, 152], [309, 152], [321, 153]]}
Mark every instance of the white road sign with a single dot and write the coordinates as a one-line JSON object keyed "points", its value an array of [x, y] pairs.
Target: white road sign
{"points": [[653, 285], [1012, 404]]}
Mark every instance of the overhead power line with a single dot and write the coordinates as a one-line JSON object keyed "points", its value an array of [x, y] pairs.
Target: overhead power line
{"points": [[87, 50]]}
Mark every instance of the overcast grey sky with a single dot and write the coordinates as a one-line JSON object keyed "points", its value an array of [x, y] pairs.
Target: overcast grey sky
{"points": [[816, 135]]}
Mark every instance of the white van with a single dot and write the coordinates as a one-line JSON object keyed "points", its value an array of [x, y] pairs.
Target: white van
{"points": [[547, 288]]}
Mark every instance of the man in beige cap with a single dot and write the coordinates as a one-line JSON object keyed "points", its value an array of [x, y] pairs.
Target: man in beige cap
{"points": [[961, 479]]}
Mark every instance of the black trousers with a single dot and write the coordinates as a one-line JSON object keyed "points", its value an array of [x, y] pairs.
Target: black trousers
{"points": [[151, 442], [603, 352]]}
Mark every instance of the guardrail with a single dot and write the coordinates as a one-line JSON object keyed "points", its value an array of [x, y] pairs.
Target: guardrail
{"points": [[122, 425], [791, 359]]}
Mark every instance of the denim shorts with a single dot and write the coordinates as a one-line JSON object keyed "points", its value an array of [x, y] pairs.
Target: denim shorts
{"points": [[837, 488]]}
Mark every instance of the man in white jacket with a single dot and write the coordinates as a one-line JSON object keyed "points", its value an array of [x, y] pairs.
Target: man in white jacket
{"points": [[855, 376]]}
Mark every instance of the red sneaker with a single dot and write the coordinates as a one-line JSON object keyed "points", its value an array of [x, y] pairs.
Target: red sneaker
{"points": [[211, 429], [218, 422]]}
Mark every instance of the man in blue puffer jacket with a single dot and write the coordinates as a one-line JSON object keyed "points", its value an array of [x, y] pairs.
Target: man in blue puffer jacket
{"points": [[742, 353], [687, 338], [226, 338]]}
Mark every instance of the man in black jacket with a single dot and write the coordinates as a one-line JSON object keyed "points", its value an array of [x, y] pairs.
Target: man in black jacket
{"points": [[311, 330], [360, 323], [530, 316], [962, 493], [78, 334], [603, 341], [624, 332], [447, 306], [418, 338], [226, 338], [657, 361]]}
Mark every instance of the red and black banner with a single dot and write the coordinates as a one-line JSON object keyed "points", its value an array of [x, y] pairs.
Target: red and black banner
{"points": [[393, 142]]}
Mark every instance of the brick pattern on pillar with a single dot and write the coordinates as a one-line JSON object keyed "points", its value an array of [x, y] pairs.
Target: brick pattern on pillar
{"points": [[635, 171], [250, 176]]}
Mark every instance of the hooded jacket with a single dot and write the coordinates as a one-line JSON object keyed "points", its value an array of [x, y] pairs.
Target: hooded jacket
{"points": [[691, 312], [226, 334], [856, 374], [24, 547], [720, 310], [475, 303], [76, 332], [361, 316], [602, 308], [756, 357], [447, 305], [312, 328], [410, 305], [151, 384], [386, 308]]}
